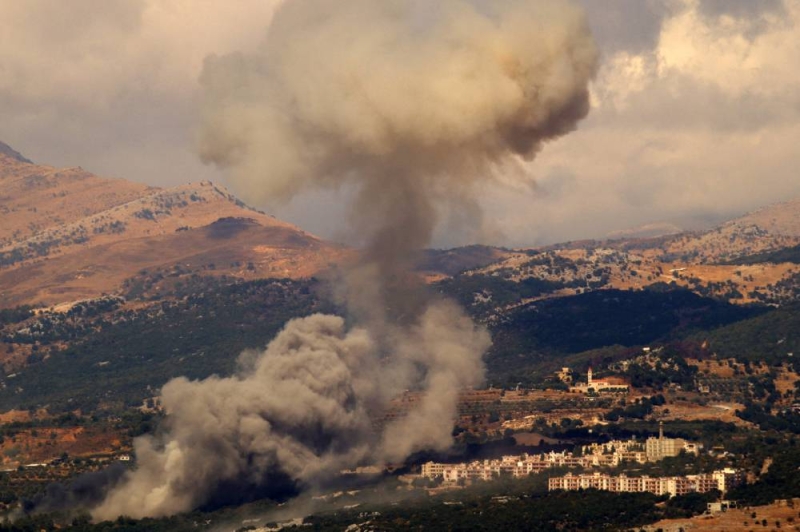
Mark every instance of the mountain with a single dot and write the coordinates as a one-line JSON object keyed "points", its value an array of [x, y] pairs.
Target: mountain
{"points": [[442, 263], [40, 198], [69, 235], [767, 229], [8, 151], [752, 258], [650, 230]]}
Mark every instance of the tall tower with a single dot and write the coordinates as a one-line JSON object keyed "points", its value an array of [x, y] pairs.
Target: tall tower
{"points": [[589, 377], [660, 430]]}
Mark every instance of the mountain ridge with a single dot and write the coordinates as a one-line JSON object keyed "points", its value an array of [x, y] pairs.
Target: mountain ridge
{"points": [[70, 235], [7, 150]]}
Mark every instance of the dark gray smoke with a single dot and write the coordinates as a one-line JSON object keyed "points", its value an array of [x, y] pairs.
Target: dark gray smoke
{"points": [[303, 406], [83, 492], [414, 103]]}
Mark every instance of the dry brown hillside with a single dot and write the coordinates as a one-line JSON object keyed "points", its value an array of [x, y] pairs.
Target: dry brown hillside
{"points": [[693, 260], [769, 228], [35, 198], [69, 235]]}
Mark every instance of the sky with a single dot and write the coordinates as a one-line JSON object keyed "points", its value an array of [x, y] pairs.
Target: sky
{"points": [[695, 111]]}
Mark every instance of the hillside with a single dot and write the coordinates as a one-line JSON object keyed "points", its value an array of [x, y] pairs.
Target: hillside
{"points": [[37, 198], [783, 255], [75, 237], [108, 354], [750, 259], [69, 235], [600, 266], [769, 228], [8, 151]]}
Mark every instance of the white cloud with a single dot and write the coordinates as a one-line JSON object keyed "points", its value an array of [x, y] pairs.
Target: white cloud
{"points": [[703, 125]]}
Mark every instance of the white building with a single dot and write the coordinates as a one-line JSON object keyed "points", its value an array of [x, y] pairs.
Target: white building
{"points": [[671, 486], [598, 385]]}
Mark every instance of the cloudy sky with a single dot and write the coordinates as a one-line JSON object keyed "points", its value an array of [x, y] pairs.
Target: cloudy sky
{"points": [[695, 118]]}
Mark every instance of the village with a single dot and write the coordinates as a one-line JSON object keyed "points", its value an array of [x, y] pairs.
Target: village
{"points": [[521, 433], [610, 454]]}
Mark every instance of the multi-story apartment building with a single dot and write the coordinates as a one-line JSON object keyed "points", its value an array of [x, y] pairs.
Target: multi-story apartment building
{"points": [[722, 480]]}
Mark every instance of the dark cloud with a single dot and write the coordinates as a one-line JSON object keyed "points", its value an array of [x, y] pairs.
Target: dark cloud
{"points": [[627, 25], [743, 9], [754, 14]]}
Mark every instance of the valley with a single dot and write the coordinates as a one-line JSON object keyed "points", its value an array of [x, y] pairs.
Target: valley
{"points": [[109, 289]]}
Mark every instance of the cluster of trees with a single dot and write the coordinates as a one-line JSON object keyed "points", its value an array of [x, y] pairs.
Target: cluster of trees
{"points": [[763, 416], [511, 509], [81, 320], [82, 523], [780, 481], [786, 290], [668, 368], [494, 292], [768, 337], [790, 254], [639, 409], [474, 509], [549, 329], [43, 247], [15, 315], [116, 227]]}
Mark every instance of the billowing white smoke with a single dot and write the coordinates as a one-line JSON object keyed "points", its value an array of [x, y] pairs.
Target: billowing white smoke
{"points": [[413, 102]]}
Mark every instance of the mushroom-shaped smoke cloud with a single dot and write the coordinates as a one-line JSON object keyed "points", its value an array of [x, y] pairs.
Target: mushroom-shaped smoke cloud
{"points": [[413, 102]]}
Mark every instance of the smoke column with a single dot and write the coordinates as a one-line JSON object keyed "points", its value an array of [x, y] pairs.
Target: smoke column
{"points": [[414, 103]]}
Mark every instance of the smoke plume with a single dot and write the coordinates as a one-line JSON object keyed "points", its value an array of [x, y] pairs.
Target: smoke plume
{"points": [[301, 408], [414, 103], [85, 490]]}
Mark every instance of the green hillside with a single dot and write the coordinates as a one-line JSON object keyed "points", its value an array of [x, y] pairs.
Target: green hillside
{"points": [[120, 359], [552, 328], [773, 337]]}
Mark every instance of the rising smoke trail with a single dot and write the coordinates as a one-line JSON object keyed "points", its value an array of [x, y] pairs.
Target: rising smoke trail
{"points": [[415, 103]]}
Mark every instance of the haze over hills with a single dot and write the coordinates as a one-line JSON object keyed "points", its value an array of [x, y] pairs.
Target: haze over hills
{"points": [[714, 262], [69, 235], [768, 228]]}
